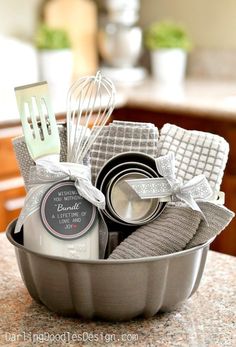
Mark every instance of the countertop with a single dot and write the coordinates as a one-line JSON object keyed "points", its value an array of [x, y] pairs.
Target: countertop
{"points": [[216, 98], [208, 318]]}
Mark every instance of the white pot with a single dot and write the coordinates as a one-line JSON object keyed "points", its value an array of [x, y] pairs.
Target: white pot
{"points": [[169, 65], [55, 67]]}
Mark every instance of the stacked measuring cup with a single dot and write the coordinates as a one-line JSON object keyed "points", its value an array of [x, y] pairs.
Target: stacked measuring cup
{"points": [[123, 206]]}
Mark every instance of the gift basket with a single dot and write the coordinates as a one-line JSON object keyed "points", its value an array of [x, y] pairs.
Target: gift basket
{"points": [[118, 218]]}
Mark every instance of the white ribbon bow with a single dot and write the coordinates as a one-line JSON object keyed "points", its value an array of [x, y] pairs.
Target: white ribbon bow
{"points": [[196, 188], [46, 173], [56, 171]]}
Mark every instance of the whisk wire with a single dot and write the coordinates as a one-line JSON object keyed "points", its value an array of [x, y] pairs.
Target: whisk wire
{"points": [[90, 100], [82, 111], [78, 101], [71, 113], [99, 123], [89, 111]]}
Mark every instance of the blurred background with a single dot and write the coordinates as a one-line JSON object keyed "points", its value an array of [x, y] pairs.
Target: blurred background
{"points": [[172, 61], [210, 25]]}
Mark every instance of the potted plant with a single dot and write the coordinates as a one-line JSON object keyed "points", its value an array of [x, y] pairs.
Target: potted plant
{"points": [[169, 44], [55, 56]]}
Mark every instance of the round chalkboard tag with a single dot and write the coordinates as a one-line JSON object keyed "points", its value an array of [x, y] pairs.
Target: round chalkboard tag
{"points": [[65, 213]]}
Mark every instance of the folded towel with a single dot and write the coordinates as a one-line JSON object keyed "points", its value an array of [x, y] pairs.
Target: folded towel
{"points": [[114, 239], [119, 137], [169, 233], [196, 153], [24, 159], [218, 218], [177, 228]]}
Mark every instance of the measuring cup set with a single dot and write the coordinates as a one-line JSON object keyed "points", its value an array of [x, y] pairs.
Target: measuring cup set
{"points": [[123, 206]]}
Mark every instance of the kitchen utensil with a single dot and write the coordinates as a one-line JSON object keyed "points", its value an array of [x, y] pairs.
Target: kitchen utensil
{"points": [[120, 45], [107, 191], [92, 288], [120, 174], [42, 138], [125, 158], [120, 41], [125, 166], [125, 202], [117, 170], [107, 177], [24, 159], [50, 230], [90, 100]]}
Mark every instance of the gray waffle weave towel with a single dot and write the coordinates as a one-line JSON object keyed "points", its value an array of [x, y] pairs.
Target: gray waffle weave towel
{"points": [[119, 137], [218, 218], [24, 159], [195, 152], [169, 233]]}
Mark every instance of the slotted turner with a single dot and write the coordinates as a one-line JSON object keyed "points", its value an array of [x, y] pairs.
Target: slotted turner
{"points": [[38, 120]]}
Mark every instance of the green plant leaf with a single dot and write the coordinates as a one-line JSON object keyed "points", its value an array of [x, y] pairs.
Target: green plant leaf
{"points": [[51, 38], [167, 35]]}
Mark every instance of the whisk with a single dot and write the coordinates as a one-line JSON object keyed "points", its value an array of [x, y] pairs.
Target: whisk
{"points": [[90, 101]]}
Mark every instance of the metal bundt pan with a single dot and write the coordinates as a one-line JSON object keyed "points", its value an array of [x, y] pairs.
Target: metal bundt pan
{"points": [[110, 289]]}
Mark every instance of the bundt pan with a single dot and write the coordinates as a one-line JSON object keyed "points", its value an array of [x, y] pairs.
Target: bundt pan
{"points": [[113, 290]]}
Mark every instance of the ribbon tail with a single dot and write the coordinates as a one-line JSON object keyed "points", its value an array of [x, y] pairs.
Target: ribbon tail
{"points": [[24, 214], [103, 236], [90, 193], [20, 221], [31, 205], [166, 166], [191, 202]]}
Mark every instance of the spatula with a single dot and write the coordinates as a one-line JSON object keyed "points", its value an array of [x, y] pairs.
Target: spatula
{"points": [[38, 120]]}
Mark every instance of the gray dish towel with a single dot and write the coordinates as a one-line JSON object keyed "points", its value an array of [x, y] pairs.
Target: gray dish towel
{"points": [[24, 159], [196, 153], [169, 233], [119, 137], [177, 228], [218, 218]]}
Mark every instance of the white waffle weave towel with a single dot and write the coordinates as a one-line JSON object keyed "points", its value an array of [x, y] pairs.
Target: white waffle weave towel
{"points": [[196, 153]]}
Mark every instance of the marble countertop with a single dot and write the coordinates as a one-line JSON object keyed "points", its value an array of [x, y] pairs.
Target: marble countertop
{"points": [[216, 98], [206, 319]]}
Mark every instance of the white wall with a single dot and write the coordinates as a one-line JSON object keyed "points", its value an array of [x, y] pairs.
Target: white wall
{"points": [[211, 23], [18, 17]]}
